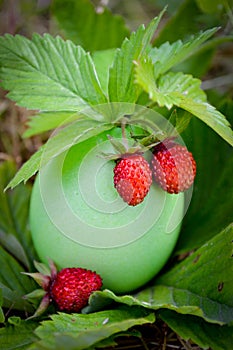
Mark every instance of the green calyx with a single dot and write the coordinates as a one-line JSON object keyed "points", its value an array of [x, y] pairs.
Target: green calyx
{"points": [[44, 278], [130, 144]]}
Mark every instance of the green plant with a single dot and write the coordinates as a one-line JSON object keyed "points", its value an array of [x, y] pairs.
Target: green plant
{"points": [[85, 96]]}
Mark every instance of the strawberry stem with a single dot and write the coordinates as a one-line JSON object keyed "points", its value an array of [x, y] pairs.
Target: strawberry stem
{"points": [[124, 138]]}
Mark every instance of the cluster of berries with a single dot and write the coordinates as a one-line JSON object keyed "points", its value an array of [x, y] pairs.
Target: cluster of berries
{"points": [[172, 166]]}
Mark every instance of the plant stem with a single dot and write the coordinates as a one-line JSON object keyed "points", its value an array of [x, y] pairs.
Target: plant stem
{"points": [[124, 138]]}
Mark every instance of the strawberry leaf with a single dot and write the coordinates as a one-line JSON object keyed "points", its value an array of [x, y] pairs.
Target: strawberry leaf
{"points": [[17, 335], [46, 121], [184, 288], [204, 334], [71, 134], [184, 91], [103, 60], [168, 90], [48, 74], [82, 331], [189, 278], [203, 54], [122, 87], [168, 55], [209, 115], [78, 18], [27, 170]]}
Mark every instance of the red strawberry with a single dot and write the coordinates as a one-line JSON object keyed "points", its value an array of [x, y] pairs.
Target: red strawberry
{"points": [[69, 289], [72, 288], [132, 178], [173, 166]]}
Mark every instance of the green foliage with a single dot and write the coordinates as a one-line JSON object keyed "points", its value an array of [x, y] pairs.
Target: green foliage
{"points": [[48, 121], [2, 317], [204, 54], [122, 87], [202, 333], [13, 284], [60, 79], [17, 335], [48, 74], [16, 250], [27, 170], [82, 24], [78, 331], [14, 208], [213, 184], [103, 60], [185, 289], [170, 88], [179, 24], [191, 278], [211, 6], [183, 91], [169, 55]]}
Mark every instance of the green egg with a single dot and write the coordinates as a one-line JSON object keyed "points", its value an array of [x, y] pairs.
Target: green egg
{"points": [[78, 219]]}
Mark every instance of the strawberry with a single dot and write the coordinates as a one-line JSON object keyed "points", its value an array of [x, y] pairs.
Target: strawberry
{"points": [[132, 178], [173, 166], [69, 289], [72, 288]]}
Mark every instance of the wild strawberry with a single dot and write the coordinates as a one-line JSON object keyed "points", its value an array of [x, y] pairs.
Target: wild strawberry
{"points": [[132, 178], [69, 289], [173, 166], [72, 288]]}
